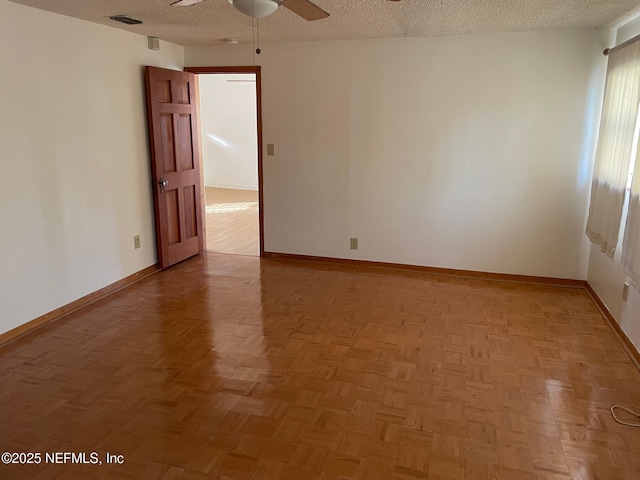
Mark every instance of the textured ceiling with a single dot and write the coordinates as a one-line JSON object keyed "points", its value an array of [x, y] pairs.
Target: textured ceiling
{"points": [[210, 22]]}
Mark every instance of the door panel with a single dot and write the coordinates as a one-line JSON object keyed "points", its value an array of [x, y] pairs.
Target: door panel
{"points": [[185, 144], [190, 217], [175, 164], [183, 92], [168, 156], [164, 90]]}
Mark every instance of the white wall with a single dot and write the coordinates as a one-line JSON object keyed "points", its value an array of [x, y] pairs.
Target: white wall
{"points": [[468, 152], [229, 130], [74, 159], [605, 275]]}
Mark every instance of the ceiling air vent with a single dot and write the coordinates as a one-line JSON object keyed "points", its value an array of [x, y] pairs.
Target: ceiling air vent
{"points": [[125, 19]]}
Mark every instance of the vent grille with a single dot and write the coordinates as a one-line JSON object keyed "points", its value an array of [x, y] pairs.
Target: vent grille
{"points": [[125, 19]]}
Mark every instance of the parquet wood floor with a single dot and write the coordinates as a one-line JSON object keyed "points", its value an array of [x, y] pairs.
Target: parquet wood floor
{"points": [[232, 221], [233, 367]]}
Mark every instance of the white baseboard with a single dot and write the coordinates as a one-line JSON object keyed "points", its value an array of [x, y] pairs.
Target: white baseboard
{"points": [[253, 188]]}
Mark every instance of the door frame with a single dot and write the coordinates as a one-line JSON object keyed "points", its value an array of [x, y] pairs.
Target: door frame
{"points": [[243, 69]]}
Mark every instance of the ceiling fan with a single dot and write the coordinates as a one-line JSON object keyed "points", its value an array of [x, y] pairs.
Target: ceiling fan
{"points": [[262, 8]]}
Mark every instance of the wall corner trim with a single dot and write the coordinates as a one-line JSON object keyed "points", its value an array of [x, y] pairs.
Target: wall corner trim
{"points": [[630, 349], [69, 308]]}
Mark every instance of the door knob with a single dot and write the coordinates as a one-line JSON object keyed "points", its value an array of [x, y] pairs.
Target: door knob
{"points": [[163, 183]]}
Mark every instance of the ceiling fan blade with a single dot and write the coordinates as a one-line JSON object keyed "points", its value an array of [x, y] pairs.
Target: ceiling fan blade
{"points": [[185, 3], [306, 9]]}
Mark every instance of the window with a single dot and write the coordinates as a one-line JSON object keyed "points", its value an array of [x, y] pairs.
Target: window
{"points": [[616, 159]]}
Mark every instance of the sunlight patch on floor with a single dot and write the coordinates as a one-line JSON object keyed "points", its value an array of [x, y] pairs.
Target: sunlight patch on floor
{"points": [[230, 207]]}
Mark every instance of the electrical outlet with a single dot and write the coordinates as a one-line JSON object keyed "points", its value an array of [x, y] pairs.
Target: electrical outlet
{"points": [[354, 244], [136, 242], [625, 292], [271, 149]]}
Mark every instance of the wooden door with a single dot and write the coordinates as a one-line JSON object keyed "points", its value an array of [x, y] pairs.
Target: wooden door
{"points": [[175, 164]]}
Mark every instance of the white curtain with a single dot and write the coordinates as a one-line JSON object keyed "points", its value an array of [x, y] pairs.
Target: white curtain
{"points": [[631, 242], [615, 143]]}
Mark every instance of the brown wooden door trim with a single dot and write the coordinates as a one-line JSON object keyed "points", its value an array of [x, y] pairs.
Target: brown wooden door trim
{"points": [[257, 71]]}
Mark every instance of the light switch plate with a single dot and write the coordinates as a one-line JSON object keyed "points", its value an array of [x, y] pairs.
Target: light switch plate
{"points": [[271, 149]]}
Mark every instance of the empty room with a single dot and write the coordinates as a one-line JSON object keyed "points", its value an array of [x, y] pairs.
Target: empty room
{"points": [[443, 276]]}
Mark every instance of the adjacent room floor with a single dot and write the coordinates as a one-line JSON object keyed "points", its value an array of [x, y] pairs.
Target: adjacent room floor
{"points": [[236, 367], [232, 221]]}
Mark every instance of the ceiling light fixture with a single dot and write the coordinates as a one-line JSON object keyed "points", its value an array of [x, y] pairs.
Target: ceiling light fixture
{"points": [[256, 8]]}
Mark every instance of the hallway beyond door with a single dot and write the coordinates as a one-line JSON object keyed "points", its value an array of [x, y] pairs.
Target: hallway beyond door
{"points": [[232, 221]]}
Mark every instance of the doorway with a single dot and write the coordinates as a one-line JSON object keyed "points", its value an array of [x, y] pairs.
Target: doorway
{"points": [[229, 104]]}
